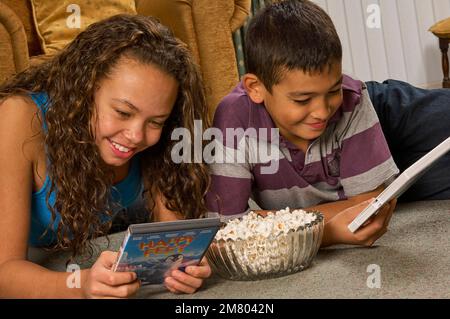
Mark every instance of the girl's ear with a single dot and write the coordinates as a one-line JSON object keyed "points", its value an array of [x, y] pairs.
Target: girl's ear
{"points": [[254, 88]]}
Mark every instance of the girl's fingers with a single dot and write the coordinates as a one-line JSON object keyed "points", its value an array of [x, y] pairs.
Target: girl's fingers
{"points": [[107, 259], [203, 270], [112, 278], [187, 279], [101, 290], [175, 286], [104, 274]]}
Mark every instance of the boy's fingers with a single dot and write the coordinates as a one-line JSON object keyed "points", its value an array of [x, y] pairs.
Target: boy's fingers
{"points": [[367, 222], [393, 204], [385, 214], [376, 225]]}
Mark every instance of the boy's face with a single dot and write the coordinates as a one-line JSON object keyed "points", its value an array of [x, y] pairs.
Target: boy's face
{"points": [[132, 105], [301, 104]]}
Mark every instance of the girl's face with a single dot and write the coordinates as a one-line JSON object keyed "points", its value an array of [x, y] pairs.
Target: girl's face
{"points": [[132, 105]]}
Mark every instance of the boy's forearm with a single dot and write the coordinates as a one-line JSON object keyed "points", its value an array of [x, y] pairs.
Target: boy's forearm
{"points": [[329, 210], [23, 279]]}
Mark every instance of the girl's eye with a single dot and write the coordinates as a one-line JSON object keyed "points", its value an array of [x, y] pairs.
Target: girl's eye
{"points": [[156, 124], [123, 114]]}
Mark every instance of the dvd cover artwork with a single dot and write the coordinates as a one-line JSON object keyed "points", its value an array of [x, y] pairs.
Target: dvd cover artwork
{"points": [[153, 256]]}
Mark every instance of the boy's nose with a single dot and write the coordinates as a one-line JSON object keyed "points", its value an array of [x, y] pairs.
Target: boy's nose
{"points": [[321, 110]]}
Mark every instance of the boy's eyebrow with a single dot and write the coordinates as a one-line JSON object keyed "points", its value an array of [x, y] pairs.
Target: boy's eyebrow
{"points": [[135, 108], [298, 93]]}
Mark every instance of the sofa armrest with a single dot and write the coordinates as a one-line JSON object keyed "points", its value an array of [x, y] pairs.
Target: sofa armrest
{"points": [[13, 43]]}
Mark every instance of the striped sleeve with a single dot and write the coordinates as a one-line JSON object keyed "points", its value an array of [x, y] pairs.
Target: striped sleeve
{"points": [[366, 162], [231, 181]]}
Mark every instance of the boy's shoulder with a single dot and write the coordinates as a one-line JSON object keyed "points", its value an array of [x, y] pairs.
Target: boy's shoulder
{"points": [[352, 85], [352, 93], [234, 109], [237, 110]]}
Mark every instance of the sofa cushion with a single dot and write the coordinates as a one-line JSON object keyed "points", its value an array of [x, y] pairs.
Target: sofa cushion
{"points": [[22, 8], [6, 54], [59, 22]]}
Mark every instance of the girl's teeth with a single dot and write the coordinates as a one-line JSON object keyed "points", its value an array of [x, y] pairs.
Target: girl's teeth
{"points": [[121, 148]]}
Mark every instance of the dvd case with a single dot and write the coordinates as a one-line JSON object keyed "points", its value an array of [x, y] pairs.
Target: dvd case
{"points": [[153, 250]]}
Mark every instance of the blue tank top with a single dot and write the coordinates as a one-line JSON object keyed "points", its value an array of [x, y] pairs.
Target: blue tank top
{"points": [[128, 194]]}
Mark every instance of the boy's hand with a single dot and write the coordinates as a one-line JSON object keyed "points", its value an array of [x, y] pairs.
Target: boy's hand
{"points": [[189, 280], [101, 282], [338, 232]]}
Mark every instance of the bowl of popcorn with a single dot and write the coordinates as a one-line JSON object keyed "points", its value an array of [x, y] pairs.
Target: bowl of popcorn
{"points": [[254, 247]]}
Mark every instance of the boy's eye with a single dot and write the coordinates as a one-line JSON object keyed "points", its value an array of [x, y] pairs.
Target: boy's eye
{"points": [[302, 102], [335, 91]]}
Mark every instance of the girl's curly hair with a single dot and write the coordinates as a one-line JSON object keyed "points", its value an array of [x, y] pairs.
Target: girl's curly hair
{"points": [[76, 170]]}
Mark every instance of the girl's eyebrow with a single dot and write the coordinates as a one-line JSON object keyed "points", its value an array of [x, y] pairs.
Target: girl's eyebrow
{"points": [[129, 104], [298, 93], [135, 108]]}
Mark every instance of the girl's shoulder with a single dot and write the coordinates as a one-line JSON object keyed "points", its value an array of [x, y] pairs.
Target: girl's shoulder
{"points": [[18, 107], [21, 120]]}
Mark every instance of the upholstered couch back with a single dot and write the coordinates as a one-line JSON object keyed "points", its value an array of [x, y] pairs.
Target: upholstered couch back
{"points": [[205, 25]]}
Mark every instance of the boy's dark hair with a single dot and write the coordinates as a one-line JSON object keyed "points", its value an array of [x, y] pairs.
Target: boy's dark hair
{"points": [[288, 35]]}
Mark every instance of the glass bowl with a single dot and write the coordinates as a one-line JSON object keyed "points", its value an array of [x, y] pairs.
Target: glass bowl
{"points": [[259, 258]]}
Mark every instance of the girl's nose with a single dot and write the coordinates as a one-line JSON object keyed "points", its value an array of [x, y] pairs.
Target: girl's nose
{"points": [[135, 135]]}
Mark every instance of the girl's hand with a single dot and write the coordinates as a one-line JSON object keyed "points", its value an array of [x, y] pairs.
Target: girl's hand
{"points": [[101, 282], [367, 234], [190, 280]]}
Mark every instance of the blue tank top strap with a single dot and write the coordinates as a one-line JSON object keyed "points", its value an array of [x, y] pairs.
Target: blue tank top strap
{"points": [[41, 100]]}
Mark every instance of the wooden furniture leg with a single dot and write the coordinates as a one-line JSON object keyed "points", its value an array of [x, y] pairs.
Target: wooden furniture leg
{"points": [[443, 45]]}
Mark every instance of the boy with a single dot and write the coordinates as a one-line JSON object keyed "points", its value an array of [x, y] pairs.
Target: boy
{"points": [[333, 156]]}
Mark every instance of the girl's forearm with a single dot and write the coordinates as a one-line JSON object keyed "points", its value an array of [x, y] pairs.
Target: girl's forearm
{"points": [[24, 279]]}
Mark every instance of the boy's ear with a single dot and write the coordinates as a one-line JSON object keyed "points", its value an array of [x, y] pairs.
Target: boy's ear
{"points": [[254, 88]]}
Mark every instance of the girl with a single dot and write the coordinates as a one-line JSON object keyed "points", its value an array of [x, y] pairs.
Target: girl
{"points": [[85, 138]]}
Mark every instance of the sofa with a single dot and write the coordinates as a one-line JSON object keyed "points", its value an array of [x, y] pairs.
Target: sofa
{"points": [[206, 26]]}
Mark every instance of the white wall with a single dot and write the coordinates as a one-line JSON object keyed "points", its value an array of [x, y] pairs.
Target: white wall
{"points": [[401, 48]]}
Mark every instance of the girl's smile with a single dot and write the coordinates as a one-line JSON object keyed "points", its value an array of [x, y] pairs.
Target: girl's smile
{"points": [[122, 151]]}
